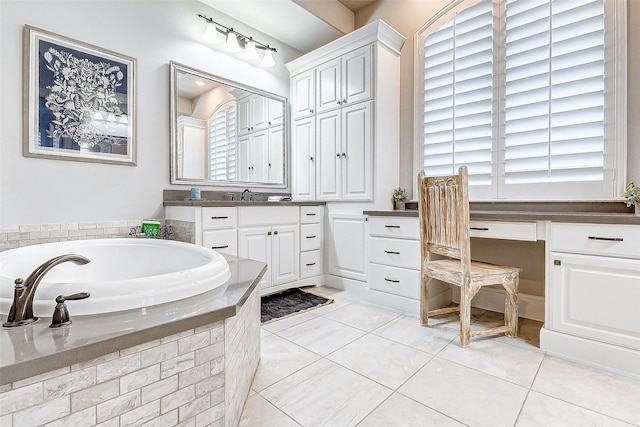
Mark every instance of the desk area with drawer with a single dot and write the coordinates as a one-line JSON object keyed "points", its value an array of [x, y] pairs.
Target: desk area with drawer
{"points": [[591, 274]]}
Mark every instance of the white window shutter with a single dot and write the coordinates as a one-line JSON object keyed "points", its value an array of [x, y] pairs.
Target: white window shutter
{"points": [[222, 144]]}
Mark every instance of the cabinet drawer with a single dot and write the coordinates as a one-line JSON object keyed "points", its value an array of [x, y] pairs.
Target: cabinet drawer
{"points": [[310, 237], [503, 230], [267, 215], [599, 239], [311, 214], [310, 264], [223, 241], [407, 228], [395, 252], [213, 218], [393, 280]]}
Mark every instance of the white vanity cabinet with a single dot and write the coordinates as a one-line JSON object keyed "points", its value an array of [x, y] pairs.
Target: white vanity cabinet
{"points": [[271, 235], [357, 85], [344, 80], [593, 283], [394, 256]]}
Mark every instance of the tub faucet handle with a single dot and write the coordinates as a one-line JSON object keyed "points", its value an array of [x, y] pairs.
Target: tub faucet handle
{"points": [[61, 313]]}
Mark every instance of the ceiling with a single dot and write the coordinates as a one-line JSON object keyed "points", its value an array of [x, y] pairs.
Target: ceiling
{"points": [[287, 20]]}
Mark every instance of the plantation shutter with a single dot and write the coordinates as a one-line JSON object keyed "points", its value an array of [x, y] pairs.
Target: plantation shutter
{"points": [[554, 96], [222, 145], [458, 89]]}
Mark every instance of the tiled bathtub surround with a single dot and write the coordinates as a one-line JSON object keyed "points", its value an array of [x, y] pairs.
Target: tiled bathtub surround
{"points": [[194, 377], [14, 236], [183, 231]]}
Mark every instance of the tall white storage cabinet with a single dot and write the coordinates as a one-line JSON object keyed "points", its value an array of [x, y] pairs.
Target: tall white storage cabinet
{"points": [[345, 109], [348, 93]]}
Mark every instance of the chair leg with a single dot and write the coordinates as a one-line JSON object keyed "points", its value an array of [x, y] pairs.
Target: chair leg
{"points": [[424, 299], [511, 305], [465, 315]]}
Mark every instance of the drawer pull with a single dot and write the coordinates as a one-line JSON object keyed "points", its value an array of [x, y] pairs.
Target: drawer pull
{"points": [[310, 214], [311, 237], [609, 239], [391, 280], [392, 226], [479, 228], [310, 264], [219, 217], [392, 252], [220, 247]]}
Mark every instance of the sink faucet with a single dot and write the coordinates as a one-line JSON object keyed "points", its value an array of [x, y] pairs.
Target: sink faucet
{"points": [[244, 194], [21, 312]]}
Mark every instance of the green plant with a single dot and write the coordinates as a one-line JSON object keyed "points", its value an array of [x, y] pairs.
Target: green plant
{"points": [[400, 195], [632, 194]]}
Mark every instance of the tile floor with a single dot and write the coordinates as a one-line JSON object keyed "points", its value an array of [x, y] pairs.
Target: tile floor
{"points": [[352, 363]]}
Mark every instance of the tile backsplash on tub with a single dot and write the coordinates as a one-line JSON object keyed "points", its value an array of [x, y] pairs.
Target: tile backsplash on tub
{"points": [[14, 236]]}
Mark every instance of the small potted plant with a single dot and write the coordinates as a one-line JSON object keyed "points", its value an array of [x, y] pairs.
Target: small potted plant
{"points": [[632, 197], [399, 198]]}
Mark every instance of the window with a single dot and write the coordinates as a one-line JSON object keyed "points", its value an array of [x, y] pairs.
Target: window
{"points": [[223, 151], [527, 94]]}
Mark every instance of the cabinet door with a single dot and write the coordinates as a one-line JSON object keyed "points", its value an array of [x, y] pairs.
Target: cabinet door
{"points": [[243, 109], [329, 95], [356, 152], [255, 243], [259, 113], [356, 76], [245, 158], [303, 100], [275, 165], [347, 251], [276, 112], [329, 165], [285, 255], [303, 150], [595, 297], [260, 148]]}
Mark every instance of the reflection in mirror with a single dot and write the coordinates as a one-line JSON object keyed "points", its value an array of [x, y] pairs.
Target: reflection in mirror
{"points": [[224, 133]]}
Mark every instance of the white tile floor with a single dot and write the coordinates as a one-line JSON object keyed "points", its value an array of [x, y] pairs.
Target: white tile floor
{"points": [[352, 363]]}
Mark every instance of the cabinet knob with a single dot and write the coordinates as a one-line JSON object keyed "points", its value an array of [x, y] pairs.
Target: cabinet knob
{"points": [[339, 103], [337, 154], [311, 110], [269, 123], [268, 233], [311, 158], [344, 101], [344, 154], [275, 232], [269, 164]]}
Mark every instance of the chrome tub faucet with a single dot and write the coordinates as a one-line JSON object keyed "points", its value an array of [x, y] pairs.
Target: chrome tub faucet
{"points": [[21, 312]]}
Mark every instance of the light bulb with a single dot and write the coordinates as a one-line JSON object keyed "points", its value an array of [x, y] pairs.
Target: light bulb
{"points": [[232, 42], [268, 60], [211, 34], [250, 51]]}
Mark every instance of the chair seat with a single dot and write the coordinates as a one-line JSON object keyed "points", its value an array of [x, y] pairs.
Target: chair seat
{"points": [[484, 271]]}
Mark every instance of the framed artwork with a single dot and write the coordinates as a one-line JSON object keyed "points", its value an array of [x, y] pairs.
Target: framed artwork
{"points": [[79, 100]]}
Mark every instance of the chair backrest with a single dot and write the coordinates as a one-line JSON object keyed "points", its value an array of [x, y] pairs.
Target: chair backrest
{"points": [[444, 215]]}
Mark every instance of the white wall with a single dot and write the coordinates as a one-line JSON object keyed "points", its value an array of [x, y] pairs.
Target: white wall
{"points": [[33, 190]]}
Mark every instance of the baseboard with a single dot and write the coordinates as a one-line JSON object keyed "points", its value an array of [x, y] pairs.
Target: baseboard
{"points": [[529, 306], [315, 280], [604, 355]]}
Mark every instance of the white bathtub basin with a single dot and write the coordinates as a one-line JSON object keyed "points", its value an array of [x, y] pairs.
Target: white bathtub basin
{"points": [[123, 274]]}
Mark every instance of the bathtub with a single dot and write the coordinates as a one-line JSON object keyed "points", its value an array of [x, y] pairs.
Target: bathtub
{"points": [[123, 274]]}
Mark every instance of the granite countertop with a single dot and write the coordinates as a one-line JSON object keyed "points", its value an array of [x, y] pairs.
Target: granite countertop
{"points": [[578, 212], [35, 349]]}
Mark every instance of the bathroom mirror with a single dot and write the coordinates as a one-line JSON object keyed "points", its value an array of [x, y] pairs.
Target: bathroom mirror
{"points": [[225, 133]]}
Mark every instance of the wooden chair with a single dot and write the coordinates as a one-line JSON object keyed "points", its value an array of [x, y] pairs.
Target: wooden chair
{"points": [[444, 227]]}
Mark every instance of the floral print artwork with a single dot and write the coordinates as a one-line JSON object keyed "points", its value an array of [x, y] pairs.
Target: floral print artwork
{"points": [[84, 100]]}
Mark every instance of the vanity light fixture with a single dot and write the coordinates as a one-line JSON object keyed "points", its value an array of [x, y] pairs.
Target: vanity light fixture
{"points": [[236, 42]]}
